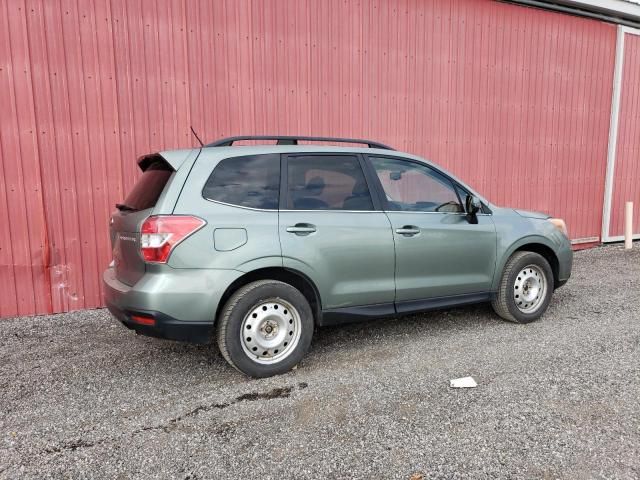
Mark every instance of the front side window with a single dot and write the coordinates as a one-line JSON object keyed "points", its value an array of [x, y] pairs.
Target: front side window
{"points": [[326, 182], [413, 187], [252, 181]]}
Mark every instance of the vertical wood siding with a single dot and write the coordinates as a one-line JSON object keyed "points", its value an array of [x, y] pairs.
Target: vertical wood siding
{"points": [[626, 182], [514, 100]]}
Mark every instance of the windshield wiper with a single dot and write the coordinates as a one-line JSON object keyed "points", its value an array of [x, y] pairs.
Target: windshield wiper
{"points": [[123, 207]]}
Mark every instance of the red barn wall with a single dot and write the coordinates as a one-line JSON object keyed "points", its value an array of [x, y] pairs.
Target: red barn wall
{"points": [[515, 100]]}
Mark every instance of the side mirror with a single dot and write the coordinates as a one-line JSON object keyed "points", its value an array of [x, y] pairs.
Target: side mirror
{"points": [[473, 206]]}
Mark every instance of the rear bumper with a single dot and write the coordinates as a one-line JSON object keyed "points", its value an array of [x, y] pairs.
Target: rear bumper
{"points": [[163, 326], [176, 304]]}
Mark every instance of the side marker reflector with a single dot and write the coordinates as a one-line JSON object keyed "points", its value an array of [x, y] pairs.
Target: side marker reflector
{"points": [[143, 320]]}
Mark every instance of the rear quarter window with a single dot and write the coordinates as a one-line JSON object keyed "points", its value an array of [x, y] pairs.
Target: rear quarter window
{"points": [[251, 181]]}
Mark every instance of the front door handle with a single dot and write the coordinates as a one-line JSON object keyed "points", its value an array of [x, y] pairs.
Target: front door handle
{"points": [[302, 229], [408, 230]]}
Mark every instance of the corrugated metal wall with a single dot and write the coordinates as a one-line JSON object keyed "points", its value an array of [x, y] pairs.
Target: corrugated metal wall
{"points": [[626, 184], [515, 100]]}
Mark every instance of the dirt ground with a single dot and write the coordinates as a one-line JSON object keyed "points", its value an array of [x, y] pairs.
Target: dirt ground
{"points": [[82, 397]]}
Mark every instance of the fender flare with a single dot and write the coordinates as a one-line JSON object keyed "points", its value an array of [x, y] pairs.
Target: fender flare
{"points": [[515, 246]]}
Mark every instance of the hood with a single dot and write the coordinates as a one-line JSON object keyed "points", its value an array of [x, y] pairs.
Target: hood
{"points": [[528, 214]]}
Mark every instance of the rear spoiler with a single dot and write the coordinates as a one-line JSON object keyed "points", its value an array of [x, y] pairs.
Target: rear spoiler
{"points": [[175, 158]]}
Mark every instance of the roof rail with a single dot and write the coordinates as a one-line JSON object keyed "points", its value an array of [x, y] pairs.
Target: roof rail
{"points": [[293, 140]]}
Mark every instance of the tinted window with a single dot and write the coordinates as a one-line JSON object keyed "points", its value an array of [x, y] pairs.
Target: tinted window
{"points": [[414, 187], [252, 181], [147, 190], [326, 182]]}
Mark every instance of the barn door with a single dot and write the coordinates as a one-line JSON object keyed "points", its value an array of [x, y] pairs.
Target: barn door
{"points": [[623, 162]]}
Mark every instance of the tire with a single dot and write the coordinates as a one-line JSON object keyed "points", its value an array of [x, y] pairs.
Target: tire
{"points": [[516, 299], [265, 328]]}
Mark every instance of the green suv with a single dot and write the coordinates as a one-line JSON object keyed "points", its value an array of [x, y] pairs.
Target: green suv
{"points": [[256, 245]]}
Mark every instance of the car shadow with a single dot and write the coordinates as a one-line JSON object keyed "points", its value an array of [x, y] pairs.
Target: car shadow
{"points": [[435, 322], [437, 325], [329, 340]]}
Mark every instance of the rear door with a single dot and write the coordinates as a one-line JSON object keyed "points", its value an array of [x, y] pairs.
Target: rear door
{"points": [[331, 231], [438, 252], [125, 222]]}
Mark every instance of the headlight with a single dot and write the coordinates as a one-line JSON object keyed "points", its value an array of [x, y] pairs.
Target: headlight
{"points": [[560, 225]]}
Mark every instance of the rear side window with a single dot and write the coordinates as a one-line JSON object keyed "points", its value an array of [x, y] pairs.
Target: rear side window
{"points": [[326, 182], [149, 187], [252, 181]]}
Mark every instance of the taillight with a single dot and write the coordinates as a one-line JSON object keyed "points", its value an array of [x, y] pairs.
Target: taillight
{"points": [[143, 320], [161, 233]]}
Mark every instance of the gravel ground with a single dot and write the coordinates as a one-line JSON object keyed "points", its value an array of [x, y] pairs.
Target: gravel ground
{"points": [[82, 397]]}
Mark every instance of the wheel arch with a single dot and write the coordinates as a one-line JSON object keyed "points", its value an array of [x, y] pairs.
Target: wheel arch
{"points": [[548, 254], [292, 277], [537, 245]]}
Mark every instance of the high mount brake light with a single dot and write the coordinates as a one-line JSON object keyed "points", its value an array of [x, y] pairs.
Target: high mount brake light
{"points": [[161, 233]]}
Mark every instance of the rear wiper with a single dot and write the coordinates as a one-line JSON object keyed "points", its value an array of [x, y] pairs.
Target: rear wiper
{"points": [[123, 207]]}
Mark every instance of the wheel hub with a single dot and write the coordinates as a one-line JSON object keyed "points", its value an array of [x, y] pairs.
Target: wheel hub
{"points": [[529, 288], [270, 331]]}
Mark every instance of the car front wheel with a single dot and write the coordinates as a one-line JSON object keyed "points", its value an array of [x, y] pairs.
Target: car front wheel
{"points": [[265, 328], [525, 289]]}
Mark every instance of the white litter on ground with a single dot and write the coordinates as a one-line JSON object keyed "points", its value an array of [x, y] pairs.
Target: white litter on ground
{"points": [[465, 382]]}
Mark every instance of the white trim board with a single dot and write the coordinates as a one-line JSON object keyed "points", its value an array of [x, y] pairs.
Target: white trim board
{"points": [[620, 238], [630, 30], [613, 130], [611, 7], [578, 241]]}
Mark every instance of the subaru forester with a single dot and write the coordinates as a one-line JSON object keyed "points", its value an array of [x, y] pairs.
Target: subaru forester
{"points": [[255, 246]]}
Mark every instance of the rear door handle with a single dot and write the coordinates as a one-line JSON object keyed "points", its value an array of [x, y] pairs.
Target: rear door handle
{"points": [[302, 229], [408, 230]]}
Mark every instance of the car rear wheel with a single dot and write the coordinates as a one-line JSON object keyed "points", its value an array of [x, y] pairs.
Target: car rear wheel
{"points": [[525, 289], [265, 328]]}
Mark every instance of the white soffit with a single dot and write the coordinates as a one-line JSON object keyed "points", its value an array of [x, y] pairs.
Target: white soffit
{"points": [[624, 8]]}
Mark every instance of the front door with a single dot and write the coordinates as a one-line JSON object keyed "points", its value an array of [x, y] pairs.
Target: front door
{"points": [[331, 231], [438, 252]]}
